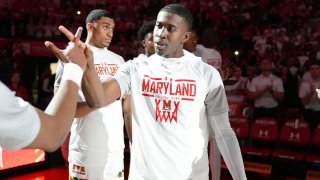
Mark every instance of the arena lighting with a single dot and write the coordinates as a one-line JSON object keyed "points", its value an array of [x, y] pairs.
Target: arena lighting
{"points": [[236, 53], [78, 12]]}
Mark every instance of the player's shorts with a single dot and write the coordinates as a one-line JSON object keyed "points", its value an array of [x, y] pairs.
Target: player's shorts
{"points": [[111, 170]]}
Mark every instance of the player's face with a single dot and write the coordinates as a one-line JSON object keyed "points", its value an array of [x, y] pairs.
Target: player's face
{"points": [[102, 32], [148, 44], [169, 35]]}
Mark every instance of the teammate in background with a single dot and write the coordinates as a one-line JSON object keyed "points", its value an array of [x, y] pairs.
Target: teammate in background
{"points": [[175, 97], [145, 36], [97, 142], [192, 46], [208, 55], [24, 126]]}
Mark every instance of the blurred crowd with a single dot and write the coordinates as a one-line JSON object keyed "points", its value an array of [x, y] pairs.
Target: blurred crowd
{"points": [[285, 33]]}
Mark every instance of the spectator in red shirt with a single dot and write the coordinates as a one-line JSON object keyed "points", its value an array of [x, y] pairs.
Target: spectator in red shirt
{"points": [[17, 87]]}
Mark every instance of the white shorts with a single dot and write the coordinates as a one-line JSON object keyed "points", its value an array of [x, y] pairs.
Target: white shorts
{"points": [[112, 169]]}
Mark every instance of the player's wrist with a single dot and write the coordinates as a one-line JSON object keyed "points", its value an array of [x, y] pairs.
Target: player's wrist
{"points": [[72, 72]]}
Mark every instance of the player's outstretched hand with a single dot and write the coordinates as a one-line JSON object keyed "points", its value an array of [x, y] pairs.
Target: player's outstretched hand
{"points": [[75, 51]]}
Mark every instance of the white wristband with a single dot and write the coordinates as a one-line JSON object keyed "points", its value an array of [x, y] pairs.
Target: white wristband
{"points": [[72, 72]]}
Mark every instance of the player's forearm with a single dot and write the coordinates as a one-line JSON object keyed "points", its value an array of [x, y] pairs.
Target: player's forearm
{"points": [[228, 145], [57, 119], [92, 88], [83, 109], [111, 90], [230, 150], [127, 115]]}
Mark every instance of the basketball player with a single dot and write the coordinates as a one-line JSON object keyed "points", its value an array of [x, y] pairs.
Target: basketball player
{"points": [[24, 126], [97, 141], [208, 55], [173, 94], [145, 36]]}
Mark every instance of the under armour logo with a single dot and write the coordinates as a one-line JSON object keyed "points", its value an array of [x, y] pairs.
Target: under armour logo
{"points": [[263, 133], [294, 135]]}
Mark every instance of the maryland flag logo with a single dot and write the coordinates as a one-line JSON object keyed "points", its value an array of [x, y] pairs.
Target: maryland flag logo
{"points": [[168, 112], [78, 169]]}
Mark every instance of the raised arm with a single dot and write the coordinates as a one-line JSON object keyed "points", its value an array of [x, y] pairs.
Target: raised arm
{"points": [[58, 116], [55, 122], [30, 127]]}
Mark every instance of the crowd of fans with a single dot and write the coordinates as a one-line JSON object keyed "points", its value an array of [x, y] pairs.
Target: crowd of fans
{"points": [[285, 32]]}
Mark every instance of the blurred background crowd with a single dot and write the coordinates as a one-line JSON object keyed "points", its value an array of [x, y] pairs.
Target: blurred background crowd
{"points": [[267, 46]]}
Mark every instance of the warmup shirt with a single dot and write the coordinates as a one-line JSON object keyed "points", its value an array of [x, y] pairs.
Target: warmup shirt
{"points": [[98, 135], [209, 56], [19, 121], [171, 98]]}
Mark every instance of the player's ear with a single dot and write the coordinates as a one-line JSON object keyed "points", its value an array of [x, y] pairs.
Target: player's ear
{"points": [[89, 27], [186, 37], [143, 42]]}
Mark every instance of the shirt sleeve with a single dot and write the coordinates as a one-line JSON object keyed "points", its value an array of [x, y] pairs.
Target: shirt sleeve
{"points": [[123, 77], [19, 121], [216, 99]]}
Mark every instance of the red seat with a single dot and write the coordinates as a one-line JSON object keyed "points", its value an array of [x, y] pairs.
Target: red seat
{"points": [[294, 140], [235, 108], [263, 134], [314, 156], [240, 126]]}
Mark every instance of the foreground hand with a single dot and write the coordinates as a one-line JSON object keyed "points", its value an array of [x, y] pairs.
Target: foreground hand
{"points": [[76, 52]]}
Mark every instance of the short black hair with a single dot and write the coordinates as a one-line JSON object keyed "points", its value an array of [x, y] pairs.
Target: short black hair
{"points": [[180, 11], [146, 29], [96, 14]]}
